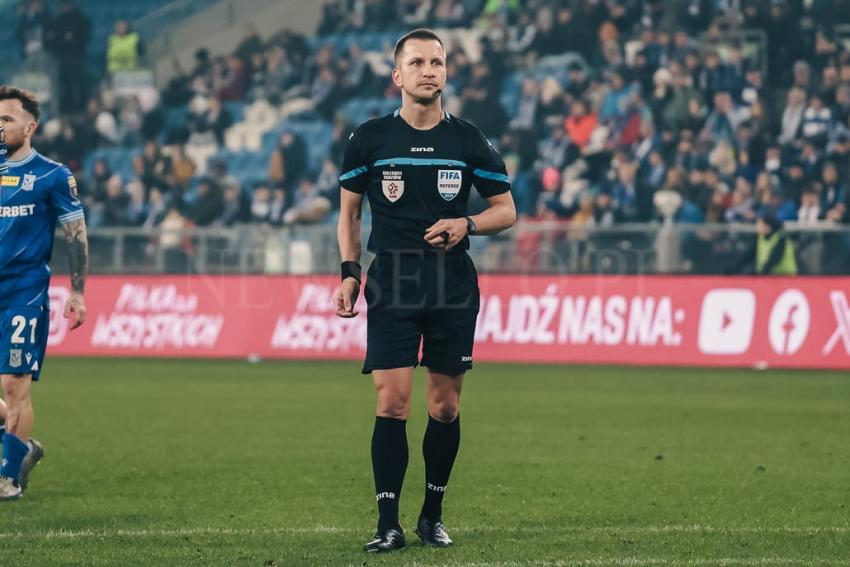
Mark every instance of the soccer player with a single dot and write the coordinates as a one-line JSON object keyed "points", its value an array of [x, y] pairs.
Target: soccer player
{"points": [[35, 194], [417, 167]]}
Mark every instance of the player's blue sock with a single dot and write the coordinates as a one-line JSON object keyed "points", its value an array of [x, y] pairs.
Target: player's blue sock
{"points": [[14, 451]]}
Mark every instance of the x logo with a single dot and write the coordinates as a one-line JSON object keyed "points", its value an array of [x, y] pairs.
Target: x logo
{"points": [[842, 318]]}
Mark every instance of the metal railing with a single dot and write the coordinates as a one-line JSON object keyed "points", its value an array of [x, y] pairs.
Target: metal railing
{"points": [[530, 247]]}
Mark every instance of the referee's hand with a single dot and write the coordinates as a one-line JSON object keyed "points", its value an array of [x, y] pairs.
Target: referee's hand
{"points": [[346, 298], [446, 233]]}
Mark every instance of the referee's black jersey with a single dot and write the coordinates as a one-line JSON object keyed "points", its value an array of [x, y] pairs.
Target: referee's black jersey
{"points": [[416, 177]]}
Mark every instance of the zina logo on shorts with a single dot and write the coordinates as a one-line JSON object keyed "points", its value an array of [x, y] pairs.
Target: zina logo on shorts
{"points": [[448, 183]]}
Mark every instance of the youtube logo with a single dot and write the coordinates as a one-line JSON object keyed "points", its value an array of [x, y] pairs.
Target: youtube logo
{"points": [[726, 321]]}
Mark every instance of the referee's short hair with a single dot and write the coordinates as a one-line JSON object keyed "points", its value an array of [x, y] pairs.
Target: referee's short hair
{"points": [[419, 33], [28, 100]]}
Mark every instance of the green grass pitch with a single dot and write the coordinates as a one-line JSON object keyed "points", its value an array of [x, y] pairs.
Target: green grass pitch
{"points": [[229, 463]]}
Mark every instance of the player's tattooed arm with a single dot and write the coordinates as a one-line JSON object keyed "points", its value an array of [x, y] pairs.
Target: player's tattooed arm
{"points": [[78, 253]]}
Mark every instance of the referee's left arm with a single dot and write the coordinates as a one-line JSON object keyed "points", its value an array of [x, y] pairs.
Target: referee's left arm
{"points": [[491, 181]]}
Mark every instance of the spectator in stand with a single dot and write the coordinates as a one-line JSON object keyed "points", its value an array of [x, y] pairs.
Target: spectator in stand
{"points": [[124, 49], [833, 195], [614, 104], [237, 207], [817, 120], [742, 207], [209, 203], [101, 173], [250, 45], [316, 204], [32, 28], [230, 79], [277, 206], [289, 162], [810, 212], [261, 204], [115, 210], [172, 239], [723, 121], [580, 123], [792, 116], [554, 150], [182, 168], [481, 104], [67, 37], [624, 193], [156, 209], [137, 208]]}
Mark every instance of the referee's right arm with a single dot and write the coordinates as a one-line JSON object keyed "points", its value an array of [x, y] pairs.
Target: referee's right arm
{"points": [[348, 236], [352, 187]]}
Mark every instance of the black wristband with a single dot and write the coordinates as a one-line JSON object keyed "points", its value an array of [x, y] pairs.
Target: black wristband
{"points": [[350, 269], [470, 226]]}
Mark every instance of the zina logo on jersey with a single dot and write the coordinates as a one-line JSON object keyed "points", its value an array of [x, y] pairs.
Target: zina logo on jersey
{"points": [[449, 182]]}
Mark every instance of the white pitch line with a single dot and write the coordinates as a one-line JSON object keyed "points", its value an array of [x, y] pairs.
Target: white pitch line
{"points": [[520, 530], [652, 562]]}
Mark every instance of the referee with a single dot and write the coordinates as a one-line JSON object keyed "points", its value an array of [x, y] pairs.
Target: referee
{"points": [[417, 167]]}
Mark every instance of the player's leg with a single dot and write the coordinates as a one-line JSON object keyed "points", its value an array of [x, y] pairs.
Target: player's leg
{"points": [[23, 334], [19, 417], [2, 419]]}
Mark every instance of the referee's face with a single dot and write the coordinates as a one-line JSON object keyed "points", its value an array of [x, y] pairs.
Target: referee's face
{"points": [[421, 70]]}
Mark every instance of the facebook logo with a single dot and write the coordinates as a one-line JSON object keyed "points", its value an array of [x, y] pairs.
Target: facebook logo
{"points": [[789, 321]]}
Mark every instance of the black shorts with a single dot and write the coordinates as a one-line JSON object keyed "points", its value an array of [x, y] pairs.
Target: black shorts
{"points": [[421, 297]]}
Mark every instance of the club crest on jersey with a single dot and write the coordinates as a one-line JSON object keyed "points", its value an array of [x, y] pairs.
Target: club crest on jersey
{"points": [[393, 185], [29, 182], [449, 182], [72, 186], [15, 357]]}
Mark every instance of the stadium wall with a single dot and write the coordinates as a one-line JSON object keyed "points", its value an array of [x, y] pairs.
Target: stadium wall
{"points": [[649, 320]]}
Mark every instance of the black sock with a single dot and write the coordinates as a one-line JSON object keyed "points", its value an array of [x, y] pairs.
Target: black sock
{"points": [[389, 463], [439, 449]]}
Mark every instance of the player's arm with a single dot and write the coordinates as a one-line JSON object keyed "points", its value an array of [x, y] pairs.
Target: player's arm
{"points": [[78, 258], [348, 236]]}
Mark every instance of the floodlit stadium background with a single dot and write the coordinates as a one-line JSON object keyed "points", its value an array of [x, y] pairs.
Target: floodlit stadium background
{"points": [[642, 139]]}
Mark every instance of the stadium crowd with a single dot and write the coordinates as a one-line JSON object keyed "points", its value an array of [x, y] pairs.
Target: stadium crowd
{"points": [[597, 106]]}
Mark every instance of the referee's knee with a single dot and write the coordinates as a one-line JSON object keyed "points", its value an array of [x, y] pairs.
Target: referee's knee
{"points": [[395, 407], [445, 411]]}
